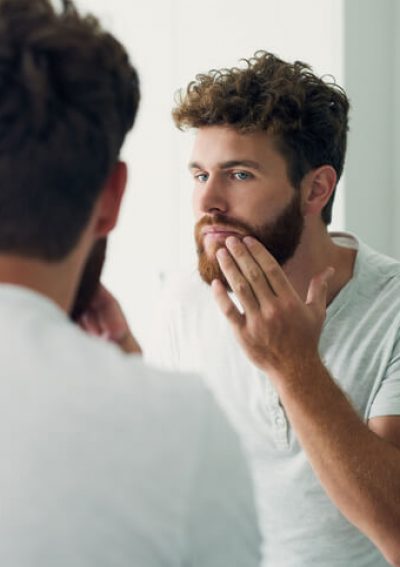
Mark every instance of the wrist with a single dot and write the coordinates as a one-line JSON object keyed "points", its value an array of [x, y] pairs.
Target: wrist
{"points": [[298, 376]]}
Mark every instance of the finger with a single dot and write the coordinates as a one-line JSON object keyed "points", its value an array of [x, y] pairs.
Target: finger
{"points": [[112, 321], [275, 275], [90, 324], [102, 298], [318, 290], [226, 304], [128, 344], [251, 270], [110, 317], [238, 283]]}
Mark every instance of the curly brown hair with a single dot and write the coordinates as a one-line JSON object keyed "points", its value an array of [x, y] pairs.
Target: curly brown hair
{"points": [[68, 96], [307, 115]]}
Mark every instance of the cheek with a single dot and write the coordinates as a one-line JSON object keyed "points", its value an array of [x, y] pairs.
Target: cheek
{"points": [[265, 209], [195, 206]]}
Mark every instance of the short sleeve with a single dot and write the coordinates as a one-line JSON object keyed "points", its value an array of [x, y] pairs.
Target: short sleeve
{"points": [[387, 398]]}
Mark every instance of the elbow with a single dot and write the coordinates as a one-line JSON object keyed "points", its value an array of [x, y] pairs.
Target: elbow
{"points": [[392, 556], [389, 541]]}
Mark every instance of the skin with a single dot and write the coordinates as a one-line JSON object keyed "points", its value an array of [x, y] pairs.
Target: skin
{"points": [[237, 176], [258, 194], [105, 318], [284, 309]]}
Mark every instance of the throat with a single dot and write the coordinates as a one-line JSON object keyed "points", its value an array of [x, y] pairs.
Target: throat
{"points": [[302, 268]]}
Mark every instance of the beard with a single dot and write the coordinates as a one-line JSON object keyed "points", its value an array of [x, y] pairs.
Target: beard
{"points": [[90, 279], [280, 237]]}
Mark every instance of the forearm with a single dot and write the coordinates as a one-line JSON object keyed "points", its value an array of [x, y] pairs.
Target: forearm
{"points": [[359, 470]]}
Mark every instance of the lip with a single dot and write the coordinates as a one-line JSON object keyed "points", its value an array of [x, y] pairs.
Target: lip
{"points": [[219, 231]]}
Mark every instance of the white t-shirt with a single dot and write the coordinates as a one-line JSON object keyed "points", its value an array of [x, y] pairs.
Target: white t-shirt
{"points": [[360, 345], [107, 462]]}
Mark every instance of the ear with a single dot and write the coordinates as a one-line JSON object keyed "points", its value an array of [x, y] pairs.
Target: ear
{"points": [[318, 186], [109, 202]]}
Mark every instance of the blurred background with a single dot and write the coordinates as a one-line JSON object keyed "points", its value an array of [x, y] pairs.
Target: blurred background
{"points": [[170, 41]]}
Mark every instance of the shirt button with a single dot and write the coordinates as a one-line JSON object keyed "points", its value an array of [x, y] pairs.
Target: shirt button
{"points": [[274, 397], [279, 421]]}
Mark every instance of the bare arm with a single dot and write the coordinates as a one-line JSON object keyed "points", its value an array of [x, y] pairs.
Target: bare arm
{"points": [[359, 466], [387, 427], [359, 469]]}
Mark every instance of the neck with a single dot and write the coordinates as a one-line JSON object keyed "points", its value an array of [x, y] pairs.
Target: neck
{"points": [[316, 252], [58, 280]]}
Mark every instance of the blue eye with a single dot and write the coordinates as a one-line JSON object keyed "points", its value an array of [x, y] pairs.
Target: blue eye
{"points": [[201, 177], [242, 175]]}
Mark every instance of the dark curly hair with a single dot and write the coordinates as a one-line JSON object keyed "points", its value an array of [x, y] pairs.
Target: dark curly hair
{"points": [[68, 96], [307, 116]]}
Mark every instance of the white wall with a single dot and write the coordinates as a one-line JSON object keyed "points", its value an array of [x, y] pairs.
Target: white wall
{"points": [[372, 81], [395, 218], [170, 41]]}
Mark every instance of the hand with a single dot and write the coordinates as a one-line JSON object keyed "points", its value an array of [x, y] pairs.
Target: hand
{"points": [[105, 318], [278, 331]]}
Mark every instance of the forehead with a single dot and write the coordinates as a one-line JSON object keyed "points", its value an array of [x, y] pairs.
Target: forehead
{"points": [[218, 144]]}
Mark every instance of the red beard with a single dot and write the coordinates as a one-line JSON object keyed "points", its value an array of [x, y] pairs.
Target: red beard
{"points": [[280, 237]]}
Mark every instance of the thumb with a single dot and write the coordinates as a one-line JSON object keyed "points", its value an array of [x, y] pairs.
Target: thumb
{"points": [[318, 289]]}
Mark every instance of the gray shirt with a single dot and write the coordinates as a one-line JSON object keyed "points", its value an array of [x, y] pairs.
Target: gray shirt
{"points": [[108, 462], [360, 345]]}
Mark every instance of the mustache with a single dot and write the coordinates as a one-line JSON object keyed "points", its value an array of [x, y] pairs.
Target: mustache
{"points": [[222, 220]]}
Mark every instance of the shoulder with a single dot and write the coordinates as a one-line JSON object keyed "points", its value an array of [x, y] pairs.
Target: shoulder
{"points": [[380, 272], [375, 274], [106, 362], [369, 259], [378, 261]]}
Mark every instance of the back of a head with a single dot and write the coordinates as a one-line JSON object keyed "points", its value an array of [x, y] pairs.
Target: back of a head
{"points": [[68, 96], [306, 115]]}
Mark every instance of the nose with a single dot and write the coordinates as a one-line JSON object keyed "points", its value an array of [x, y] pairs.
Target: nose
{"points": [[210, 197]]}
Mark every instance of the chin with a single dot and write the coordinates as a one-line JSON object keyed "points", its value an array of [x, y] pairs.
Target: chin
{"points": [[209, 269], [210, 251]]}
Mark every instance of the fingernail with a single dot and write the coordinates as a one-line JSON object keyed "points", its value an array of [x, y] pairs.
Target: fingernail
{"points": [[222, 253], [249, 240], [232, 241]]}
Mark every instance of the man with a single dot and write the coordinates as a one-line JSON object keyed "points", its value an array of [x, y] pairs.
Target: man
{"points": [[317, 402], [104, 461]]}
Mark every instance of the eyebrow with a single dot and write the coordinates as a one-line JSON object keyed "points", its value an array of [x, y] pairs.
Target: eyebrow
{"points": [[228, 164]]}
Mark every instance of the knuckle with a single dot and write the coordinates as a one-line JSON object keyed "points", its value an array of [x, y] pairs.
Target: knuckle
{"points": [[272, 313], [227, 310], [273, 270], [241, 287], [239, 252], [290, 306], [258, 328], [254, 275]]}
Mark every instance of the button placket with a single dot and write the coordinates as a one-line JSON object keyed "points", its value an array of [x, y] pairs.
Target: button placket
{"points": [[279, 421]]}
